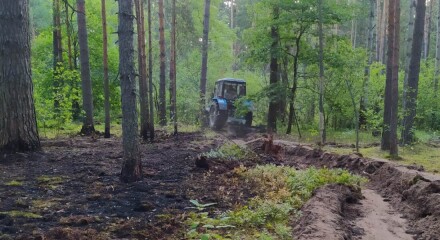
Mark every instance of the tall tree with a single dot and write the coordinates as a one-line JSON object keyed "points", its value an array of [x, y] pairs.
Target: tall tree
{"points": [[105, 64], [409, 109], [57, 53], [365, 85], [321, 75], [204, 70], [132, 168], [18, 126], [162, 84], [389, 132], [173, 93], [437, 55], [427, 30], [409, 41], [88, 125], [273, 101], [142, 67], [150, 72]]}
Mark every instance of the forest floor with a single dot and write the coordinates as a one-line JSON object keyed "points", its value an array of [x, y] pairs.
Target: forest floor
{"points": [[72, 191]]}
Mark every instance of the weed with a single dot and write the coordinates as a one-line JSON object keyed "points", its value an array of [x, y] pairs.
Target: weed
{"points": [[14, 183], [231, 151], [15, 213]]}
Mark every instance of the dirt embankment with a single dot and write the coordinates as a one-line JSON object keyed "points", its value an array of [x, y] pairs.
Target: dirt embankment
{"points": [[415, 195]]}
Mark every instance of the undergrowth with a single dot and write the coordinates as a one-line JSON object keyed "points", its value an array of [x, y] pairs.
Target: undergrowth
{"points": [[281, 192]]}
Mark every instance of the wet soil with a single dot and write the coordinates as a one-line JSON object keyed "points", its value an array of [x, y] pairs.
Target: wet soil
{"points": [[72, 191]]}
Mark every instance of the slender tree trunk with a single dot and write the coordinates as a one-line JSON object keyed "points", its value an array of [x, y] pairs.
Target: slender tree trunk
{"points": [[105, 64], [379, 27], [409, 42], [437, 55], [204, 70], [18, 125], [409, 111], [69, 36], [427, 30], [57, 55], [389, 134], [132, 168], [273, 102], [321, 76], [88, 125], [162, 83], [142, 67], [365, 85], [150, 73], [173, 94], [294, 85]]}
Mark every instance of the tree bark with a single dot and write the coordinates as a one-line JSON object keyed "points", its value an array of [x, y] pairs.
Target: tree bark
{"points": [[88, 125], [410, 107], [150, 73], [142, 68], [105, 64], [273, 102], [204, 70], [18, 125], [173, 94], [162, 83], [132, 168], [322, 130], [389, 133]]}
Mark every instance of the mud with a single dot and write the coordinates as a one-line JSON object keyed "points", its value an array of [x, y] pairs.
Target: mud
{"points": [[413, 194]]}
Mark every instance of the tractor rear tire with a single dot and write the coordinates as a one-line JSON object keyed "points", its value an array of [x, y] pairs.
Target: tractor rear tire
{"points": [[217, 117], [248, 119]]}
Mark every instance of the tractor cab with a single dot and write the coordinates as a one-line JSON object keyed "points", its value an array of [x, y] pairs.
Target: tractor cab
{"points": [[230, 89]]}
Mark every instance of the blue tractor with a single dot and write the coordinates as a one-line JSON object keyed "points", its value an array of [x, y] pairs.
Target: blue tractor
{"points": [[223, 107]]}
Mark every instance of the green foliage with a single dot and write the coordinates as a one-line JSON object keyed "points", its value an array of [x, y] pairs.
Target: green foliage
{"points": [[281, 191]]}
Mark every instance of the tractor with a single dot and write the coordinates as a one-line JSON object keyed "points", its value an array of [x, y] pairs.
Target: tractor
{"points": [[228, 93]]}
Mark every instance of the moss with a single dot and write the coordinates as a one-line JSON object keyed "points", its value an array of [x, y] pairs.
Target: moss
{"points": [[14, 183], [23, 214]]}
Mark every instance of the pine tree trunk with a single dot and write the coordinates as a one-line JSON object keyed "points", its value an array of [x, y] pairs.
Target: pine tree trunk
{"points": [[162, 83], [105, 64], [142, 68], [69, 35], [409, 111], [150, 72], [437, 56], [204, 70], [321, 76], [18, 126], [409, 41], [173, 112], [132, 168], [88, 125], [273, 102], [389, 133]]}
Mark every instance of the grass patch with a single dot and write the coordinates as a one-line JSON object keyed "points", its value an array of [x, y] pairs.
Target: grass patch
{"points": [[282, 192], [50, 182], [15, 213], [14, 183], [231, 151], [418, 154]]}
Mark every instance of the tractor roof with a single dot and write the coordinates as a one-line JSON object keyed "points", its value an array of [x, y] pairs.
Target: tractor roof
{"points": [[231, 80]]}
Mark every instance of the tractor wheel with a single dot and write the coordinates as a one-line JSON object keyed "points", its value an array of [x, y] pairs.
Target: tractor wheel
{"points": [[248, 118], [217, 117]]}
